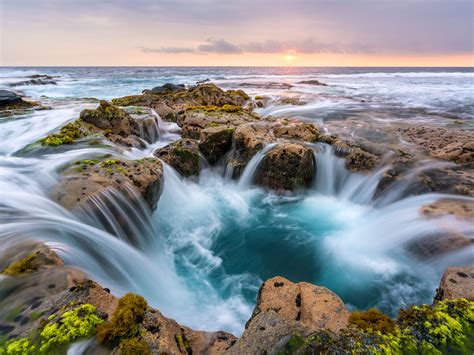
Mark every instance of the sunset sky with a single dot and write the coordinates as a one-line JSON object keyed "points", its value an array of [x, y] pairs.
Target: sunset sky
{"points": [[237, 32]]}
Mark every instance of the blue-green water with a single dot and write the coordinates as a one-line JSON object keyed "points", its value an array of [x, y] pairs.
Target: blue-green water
{"points": [[201, 257]]}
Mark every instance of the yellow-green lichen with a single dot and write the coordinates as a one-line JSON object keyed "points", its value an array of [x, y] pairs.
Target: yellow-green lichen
{"points": [[209, 109], [23, 266], [67, 135], [57, 332], [134, 346]]}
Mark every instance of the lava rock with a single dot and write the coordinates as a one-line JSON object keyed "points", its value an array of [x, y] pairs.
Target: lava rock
{"points": [[182, 155], [166, 88], [215, 142]]}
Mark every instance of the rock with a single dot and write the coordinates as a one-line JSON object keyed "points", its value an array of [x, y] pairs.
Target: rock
{"points": [[215, 142], [86, 178], [438, 244], [197, 118], [41, 258], [312, 82], [178, 101], [166, 88], [285, 309], [266, 334], [295, 130], [112, 118], [459, 208], [287, 167], [268, 86], [37, 80], [448, 144], [12, 101], [182, 155], [313, 307], [457, 282]]}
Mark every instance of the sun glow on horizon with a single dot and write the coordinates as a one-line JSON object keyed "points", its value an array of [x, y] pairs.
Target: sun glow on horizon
{"points": [[289, 57]]}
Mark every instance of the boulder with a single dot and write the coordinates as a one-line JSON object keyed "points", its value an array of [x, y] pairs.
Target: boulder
{"points": [[41, 258], [312, 82], [182, 155], [285, 309], [86, 178], [457, 282], [111, 118], [287, 167], [215, 142]]}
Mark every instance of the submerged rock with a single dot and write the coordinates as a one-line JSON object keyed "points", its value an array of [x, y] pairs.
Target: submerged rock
{"points": [[312, 82], [37, 80], [182, 155], [86, 178], [287, 167], [457, 282]]}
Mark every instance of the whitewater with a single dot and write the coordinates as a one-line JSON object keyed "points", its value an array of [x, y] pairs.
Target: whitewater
{"points": [[202, 255]]}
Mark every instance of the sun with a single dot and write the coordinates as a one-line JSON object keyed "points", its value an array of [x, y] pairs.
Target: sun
{"points": [[289, 57]]}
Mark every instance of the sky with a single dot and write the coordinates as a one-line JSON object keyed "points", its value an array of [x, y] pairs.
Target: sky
{"points": [[237, 32]]}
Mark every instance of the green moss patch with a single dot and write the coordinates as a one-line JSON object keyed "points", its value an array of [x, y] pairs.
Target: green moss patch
{"points": [[67, 135], [124, 327]]}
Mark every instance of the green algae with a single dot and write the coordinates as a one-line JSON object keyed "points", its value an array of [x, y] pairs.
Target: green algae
{"points": [[23, 266], [134, 346]]}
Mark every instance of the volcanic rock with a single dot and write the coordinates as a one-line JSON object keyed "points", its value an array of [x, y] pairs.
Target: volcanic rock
{"points": [[182, 155], [457, 282]]}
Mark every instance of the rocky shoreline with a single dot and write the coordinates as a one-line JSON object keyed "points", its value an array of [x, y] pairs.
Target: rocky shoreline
{"points": [[219, 128]]}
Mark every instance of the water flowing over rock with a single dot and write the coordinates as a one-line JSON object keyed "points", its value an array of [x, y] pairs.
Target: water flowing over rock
{"points": [[85, 178], [182, 155], [215, 142], [287, 167]]}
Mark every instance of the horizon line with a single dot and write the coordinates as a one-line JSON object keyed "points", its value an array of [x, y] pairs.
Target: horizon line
{"points": [[232, 66]]}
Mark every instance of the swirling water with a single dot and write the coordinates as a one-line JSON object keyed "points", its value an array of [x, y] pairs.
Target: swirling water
{"points": [[202, 255]]}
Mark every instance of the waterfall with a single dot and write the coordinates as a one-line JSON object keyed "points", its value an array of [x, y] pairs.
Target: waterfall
{"points": [[333, 178], [247, 176]]}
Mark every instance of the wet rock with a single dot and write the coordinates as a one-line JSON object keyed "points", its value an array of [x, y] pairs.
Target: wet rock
{"points": [[111, 118], [312, 82], [459, 208], [182, 155], [439, 244], [457, 282], [12, 101], [268, 86], [37, 80], [287, 167], [448, 144], [215, 142], [86, 178]]}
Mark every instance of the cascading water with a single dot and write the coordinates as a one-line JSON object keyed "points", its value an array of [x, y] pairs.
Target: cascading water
{"points": [[202, 255]]}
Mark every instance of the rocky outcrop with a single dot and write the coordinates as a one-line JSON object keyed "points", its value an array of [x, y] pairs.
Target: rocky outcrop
{"points": [[39, 259], [457, 282], [182, 155], [12, 101], [312, 82], [447, 144], [285, 309], [164, 89], [86, 178], [169, 103], [37, 80], [111, 118], [287, 167]]}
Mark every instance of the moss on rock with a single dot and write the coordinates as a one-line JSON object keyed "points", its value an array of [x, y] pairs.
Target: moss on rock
{"points": [[67, 135]]}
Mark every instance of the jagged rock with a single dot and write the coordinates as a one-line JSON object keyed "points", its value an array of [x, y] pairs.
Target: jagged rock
{"points": [[288, 166], [88, 177], [182, 155], [12, 101], [457, 282], [215, 142], [111, 118], [36, 80]]}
